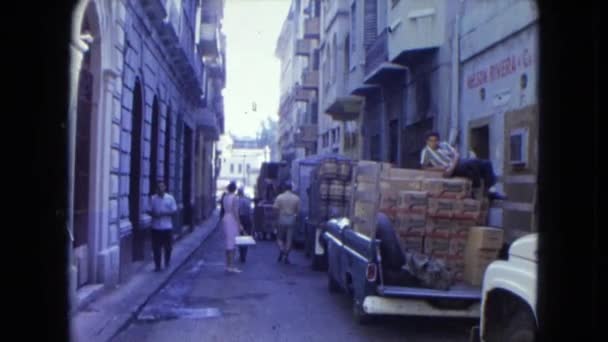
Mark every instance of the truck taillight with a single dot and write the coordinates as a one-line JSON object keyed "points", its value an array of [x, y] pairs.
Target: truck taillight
{"points": [[372, 272]]}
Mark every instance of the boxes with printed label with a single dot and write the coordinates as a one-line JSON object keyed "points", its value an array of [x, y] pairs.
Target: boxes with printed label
{"points": [[413, 202], [411, 243], [485, 238], [460, 229], [438, 227], [370, 171], [413, 173], [482, 248], [438, 247], [467, 209], [475, 265], [458, 248], [441, 208], [456, 188], [410, 224]]}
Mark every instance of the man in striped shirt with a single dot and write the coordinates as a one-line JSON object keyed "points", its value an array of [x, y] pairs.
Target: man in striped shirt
{"points": [[441, 156]]}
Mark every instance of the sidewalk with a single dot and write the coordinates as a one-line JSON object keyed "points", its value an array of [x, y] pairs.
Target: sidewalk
{"points": [[103, 318]]}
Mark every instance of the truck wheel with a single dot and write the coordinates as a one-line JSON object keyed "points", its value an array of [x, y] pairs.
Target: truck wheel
{"points": [[520, 328], [359, 315], [332, 284]]}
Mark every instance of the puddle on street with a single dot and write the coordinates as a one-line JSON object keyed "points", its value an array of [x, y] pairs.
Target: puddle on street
{"points": [[179, 313]]}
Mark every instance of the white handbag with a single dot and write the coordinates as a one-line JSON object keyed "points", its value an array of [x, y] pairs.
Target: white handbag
{"points": [[245, 240]]}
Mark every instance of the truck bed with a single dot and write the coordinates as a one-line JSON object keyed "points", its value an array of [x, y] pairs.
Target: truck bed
{"points": [[457, 292]]}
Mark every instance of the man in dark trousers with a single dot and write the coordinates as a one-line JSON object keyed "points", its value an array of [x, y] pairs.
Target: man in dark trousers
{"points": [[245, 216], [441, 156], [162, 209]]}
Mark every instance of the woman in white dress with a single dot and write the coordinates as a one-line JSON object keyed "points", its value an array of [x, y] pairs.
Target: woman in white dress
{"points": [[231, 225]]}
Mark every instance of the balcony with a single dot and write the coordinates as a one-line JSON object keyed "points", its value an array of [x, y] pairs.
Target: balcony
{"points": [[310, 79], [416, 25], [209, 42], [345, 108], [179, 58], [377, 53], [206, 121], [303, 47], [312, 28], [303, 95]]}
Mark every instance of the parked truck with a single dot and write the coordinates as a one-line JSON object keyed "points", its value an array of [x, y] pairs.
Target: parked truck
{"points": [[270, 180], [355, 267]]}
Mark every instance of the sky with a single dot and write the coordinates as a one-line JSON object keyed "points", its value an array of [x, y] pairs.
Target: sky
{"points": [[252, 28]]}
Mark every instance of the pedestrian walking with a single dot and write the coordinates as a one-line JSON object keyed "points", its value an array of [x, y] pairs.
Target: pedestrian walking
{"points": [[245, 218], [162, 209], [288, 206], [231, 225], [443, 157]]}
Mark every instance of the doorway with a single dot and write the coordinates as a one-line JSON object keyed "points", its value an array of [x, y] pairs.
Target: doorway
{"points": [[135, 173], [154, 147], [479, 140], [187, 177], [84, 154], [413, 142]]}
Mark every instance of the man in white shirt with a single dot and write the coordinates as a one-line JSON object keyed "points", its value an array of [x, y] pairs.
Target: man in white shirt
{"points": [[440, 156], [162, 209]]}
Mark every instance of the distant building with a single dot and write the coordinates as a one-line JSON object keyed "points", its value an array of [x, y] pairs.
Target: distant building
{"points": [[241, 160]]}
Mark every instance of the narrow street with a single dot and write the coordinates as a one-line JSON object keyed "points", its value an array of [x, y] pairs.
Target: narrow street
{"points": [[267, 302]]}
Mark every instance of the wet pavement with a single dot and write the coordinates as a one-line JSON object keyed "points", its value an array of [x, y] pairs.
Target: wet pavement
{"points": [[267, 302]]}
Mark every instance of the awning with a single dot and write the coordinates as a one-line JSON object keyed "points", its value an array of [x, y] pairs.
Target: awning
{"points": [[384, 71], [345, 108], [364, 89]]}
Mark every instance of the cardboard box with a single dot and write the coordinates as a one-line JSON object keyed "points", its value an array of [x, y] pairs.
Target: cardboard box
{"points": [[413, 202], [485, 238], [438, 227], [410, 224], [455, 188], [441, 208], [371, 171], [437, 247], [411, 243], [389, 199], [414, 173], [467, 209], [458, 249], [476, 263], [460, 229]]}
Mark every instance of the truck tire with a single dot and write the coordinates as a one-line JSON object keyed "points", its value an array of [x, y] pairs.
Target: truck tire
{"points": [[359, 315], [332, 284], [521, 327]]}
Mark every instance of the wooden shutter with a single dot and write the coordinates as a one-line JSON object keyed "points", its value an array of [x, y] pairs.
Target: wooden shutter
{"points": [[370, 22]]}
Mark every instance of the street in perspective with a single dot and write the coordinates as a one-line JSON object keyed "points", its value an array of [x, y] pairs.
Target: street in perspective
{"points": [[303, 170]]}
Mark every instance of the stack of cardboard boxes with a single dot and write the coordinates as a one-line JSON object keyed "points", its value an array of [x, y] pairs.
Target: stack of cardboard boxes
{"points": [[330, 190], [483, 246], [431, 214]]}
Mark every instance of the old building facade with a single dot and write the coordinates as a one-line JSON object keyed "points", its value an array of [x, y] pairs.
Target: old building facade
{"points": [[299, 103], [145, 104], [392, 70]]}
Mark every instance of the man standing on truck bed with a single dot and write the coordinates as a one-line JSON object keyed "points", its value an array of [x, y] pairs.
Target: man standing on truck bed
{"points": [[441, 156], [288, 206]]}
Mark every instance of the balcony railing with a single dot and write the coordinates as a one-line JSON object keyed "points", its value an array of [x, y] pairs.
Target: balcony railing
{"points": [[377, 53], [312, 28], [306, 134], [209, 41], [303, 47]]}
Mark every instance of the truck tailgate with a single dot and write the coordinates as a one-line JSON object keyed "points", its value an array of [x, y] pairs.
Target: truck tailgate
{"points": [[457, 292]]}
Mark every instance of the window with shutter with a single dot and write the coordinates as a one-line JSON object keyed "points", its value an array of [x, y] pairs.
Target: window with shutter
{"points": [[370, 22]]}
